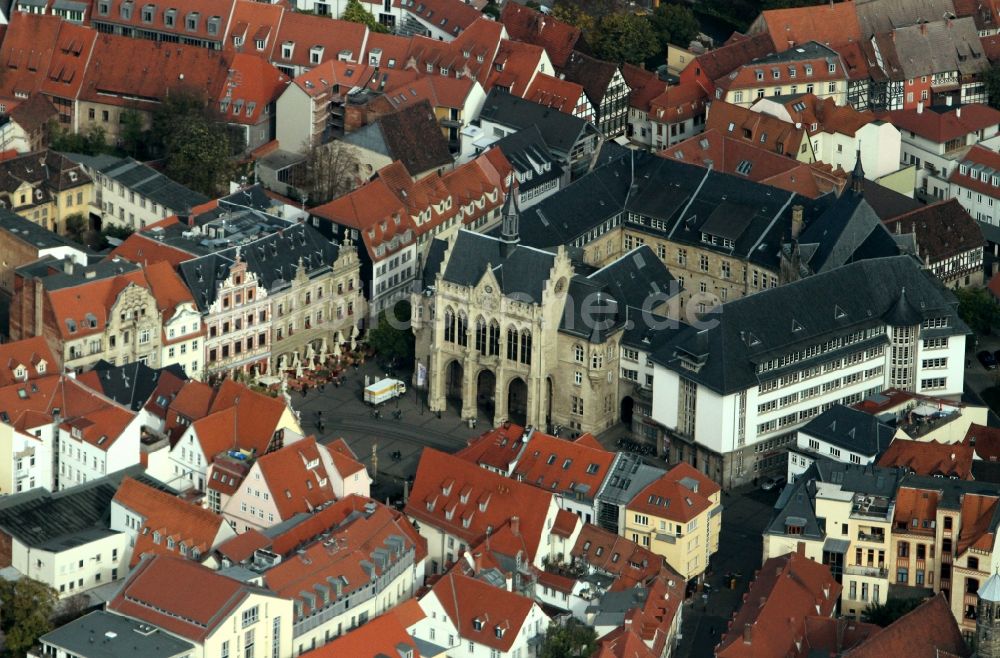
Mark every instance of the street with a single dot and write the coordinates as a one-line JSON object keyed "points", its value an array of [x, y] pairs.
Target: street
{"points": [[746, 512]]}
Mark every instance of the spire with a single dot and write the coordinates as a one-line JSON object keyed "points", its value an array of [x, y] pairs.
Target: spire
{"points": [[858, 175], [511, 216], [990, 591]]}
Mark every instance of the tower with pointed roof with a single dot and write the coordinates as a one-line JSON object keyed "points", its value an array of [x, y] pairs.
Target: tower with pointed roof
{"points": [[511, 218], [988, 619], [858, 176]]}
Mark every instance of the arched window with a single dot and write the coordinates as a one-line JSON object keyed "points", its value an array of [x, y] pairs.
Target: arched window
{"points": [[481, 336], [449, 326], [578, 353], [494, 338], [526, 347], [463, 330], [511, 344]]}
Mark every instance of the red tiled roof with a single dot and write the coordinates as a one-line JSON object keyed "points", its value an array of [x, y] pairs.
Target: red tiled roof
{"points": [[943, 230], [929, 631], [564, 524], [623, 642], [450, 16], [561, 465], [33, 354], [29, 405], [142, 249], [383, 636], [991, 47], [101, 427], [92, 298], [598, 548], [294, 475], [222, 9], [678, 103], [168, 517], [256, 20], [977, 513], [645, 86], [515, 65], [919, 504], [252, 84], [946, 124], [833, 25], [179, 596], [333, 75], [985, 440], [930, 458], [440, 91], [305, 31], [784, 592], [466, 599], [43, 53], [557, 38], [465, 500], [242, 547], [672, 496], [497, 448], [357, 536], [167, 287], [737, 51], [553, 92], [239, 417], [977, 155], [761, 130]]}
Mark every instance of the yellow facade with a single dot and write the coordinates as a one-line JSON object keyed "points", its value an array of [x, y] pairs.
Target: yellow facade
{"points": [[685, 545], [53, 211]]}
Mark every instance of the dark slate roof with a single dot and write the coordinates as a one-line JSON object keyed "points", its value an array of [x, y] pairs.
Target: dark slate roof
{"points": [[599, 302], [850, 429], [671, 199], [53, 276], [64, 519], [527, 152], [132, 384], [153, 185], [521, 272], [887, 203], [274, 259], [411, 135], [778, 321], [847, 231], [593, 74], [797, 505], [105, 635], [560, 130], [33, 234]]}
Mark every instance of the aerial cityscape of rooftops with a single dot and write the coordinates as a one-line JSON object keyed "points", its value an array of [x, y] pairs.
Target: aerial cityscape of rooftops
{"points": [[499, 328]]}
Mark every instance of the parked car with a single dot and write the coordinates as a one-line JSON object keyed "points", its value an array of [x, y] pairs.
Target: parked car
{"points": [[987, 359], [772, 483]]}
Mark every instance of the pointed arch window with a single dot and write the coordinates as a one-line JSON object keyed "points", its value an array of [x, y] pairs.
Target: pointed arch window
{"points": [[449, 326], [481, 336], [526, 347], [511, 344], [494, 346], [463, 330]]}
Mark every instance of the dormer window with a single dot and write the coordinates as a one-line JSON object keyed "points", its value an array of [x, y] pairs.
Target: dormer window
{"points": [[316, 54], [477, 624], [104, 7], [126, 11], [430, 67], [260, 43], [809, 69], [499, 630], [213, 24], [287, 49], [444, 70], [170, 18], [148, 12], [191, 22]]}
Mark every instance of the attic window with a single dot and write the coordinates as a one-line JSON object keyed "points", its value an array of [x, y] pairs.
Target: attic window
{"points": [[213, 24], [745, 166], [566, 464], [71, 325], [499, 630], [126, 10], [316, 54], [477, 624], [731, 126], [191, 22], [592, 469], [614, 558], [170, 17], [104, 7], [148, 11], [287, 49]]}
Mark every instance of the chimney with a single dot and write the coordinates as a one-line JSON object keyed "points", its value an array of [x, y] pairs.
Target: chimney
{"points": [[920, 107], [796, 221], [747, 633], [68, 265], [801, 549], [478, 563], [515, 526]]}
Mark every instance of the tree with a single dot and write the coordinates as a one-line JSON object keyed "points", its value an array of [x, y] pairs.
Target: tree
{"points": [[355, 12], [132, 133], [626, 37], [330, 171], [198, 156], [675, 24], [27, 607], [992, 80], [573, 639], [91, 141], [569, 12], [978, 309], [883, 614], [391, 338], [76, 226]]}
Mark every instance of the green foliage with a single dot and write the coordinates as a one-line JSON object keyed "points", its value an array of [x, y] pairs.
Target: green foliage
{"points": [[355, 12], [569, 12], [391, 338], [626, 37], [195, 145], [674, 24], [572, 640], [27, 610], [883, 614], [992, 79], [978, 309], [531, 4], [76, 226], [90, 142], [133, 135]]}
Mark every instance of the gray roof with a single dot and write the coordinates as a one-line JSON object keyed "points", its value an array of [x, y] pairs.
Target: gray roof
{"points": [[33, 234], [801, 51], [778, 321], [560, 130], [671, 200], [847, 231], [628, 475], [273, 258], [884, 15], [62, 520], [132, 384], [527, 152], [940, 47], [51, 271], [850, 429], [106, 635], [145, 181]]}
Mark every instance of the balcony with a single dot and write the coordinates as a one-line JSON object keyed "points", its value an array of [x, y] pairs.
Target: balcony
{"points": [[870, 572], [878, 538]]}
